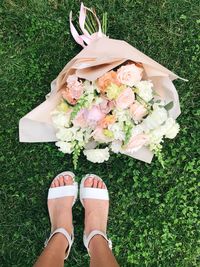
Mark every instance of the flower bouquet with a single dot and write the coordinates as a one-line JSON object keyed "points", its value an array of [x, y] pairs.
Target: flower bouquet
{"points": [[108, 98]]}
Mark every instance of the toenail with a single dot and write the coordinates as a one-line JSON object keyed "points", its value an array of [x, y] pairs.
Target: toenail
{"points": [[90, 179]]}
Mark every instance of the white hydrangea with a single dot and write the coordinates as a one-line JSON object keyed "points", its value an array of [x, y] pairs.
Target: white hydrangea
{"points": [[97, 155], [60, 119], [155, 119], [64, 147], [144, 90], [117, 130]]}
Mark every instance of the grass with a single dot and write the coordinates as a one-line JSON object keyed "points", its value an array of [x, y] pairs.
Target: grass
{"points": [[154, 215]]}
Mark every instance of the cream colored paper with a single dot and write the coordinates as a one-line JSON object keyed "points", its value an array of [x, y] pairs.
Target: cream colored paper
{"points": [[92, 62]]}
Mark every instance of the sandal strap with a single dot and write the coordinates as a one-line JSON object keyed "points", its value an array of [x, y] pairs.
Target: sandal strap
{"points": [[66, 190], [70, 239], [92, 193], [86, 240], [63, 191]]}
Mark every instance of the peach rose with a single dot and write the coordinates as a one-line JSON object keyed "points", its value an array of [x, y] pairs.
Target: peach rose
{"points": [[108, 78], [75, 87], [137, 111], [109, 119], [66, 94], [136, 142], [129, 74], [125, 99]]}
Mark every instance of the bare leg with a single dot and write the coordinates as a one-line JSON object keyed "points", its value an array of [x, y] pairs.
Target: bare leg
{"points": [[101, 255], [53, 255], [60, 211], [96, 216]]}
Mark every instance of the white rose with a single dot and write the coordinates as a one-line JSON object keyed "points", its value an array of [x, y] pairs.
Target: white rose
{"points": [[129, 74], [145, 90], [64, 147], [170, 128], [172, 132], [155, 119], [97, 155]]}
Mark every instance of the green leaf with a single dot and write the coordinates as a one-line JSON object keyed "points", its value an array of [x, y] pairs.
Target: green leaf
{"points": [[169, 106]]}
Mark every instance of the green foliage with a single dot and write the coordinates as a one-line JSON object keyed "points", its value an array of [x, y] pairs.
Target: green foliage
{"points": [[154, 212]]}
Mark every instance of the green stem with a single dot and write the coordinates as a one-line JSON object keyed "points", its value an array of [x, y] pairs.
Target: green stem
{"points": [[89, 21], [147, 105]]}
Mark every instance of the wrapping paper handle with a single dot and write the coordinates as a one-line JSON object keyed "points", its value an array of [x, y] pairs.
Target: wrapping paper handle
{"points": [[86, 38]]}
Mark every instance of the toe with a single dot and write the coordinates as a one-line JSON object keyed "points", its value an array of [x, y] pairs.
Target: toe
{"points": [[88, 182], [103, 186], [56, 182], [95, 183], [61, 180], [68, 180], [100, 183], [52, 184]]}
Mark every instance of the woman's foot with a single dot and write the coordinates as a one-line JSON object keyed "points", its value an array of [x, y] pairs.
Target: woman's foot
{"points": [[60, 209], [96, 210]]}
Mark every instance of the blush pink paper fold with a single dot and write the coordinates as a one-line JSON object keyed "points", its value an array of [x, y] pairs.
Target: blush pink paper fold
{"points": [[92, 62]]}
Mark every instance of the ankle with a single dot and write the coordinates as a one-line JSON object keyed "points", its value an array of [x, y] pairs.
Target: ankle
{"points": [[97, 241], [60, 241]]}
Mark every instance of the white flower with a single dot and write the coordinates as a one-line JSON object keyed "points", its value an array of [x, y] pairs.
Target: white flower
{"points": [[61, 119], [89, 87], [65, 134], [138, 129], [64, 147], [155, 119], [171, 128], [156, 136], [129, 74], [122, 115], [144, 90], [117, 130], [116, 146], [97, 155]]}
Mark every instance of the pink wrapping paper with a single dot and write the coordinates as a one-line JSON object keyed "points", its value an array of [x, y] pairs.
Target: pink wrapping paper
{"points": [[93, 61]]}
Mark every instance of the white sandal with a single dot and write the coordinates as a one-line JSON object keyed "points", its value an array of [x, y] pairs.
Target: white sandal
{"points": [[93, 193], [63, 191]]}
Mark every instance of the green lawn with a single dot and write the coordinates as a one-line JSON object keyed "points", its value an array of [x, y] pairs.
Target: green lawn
{"points": [[154, 211]]}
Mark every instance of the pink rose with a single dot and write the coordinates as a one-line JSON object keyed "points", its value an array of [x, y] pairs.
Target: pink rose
{"points": [[75, 87], [137, 111], [106, 106], [125, 99], [136, 142], [80, 119], [129, 74], [94, 115]]}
